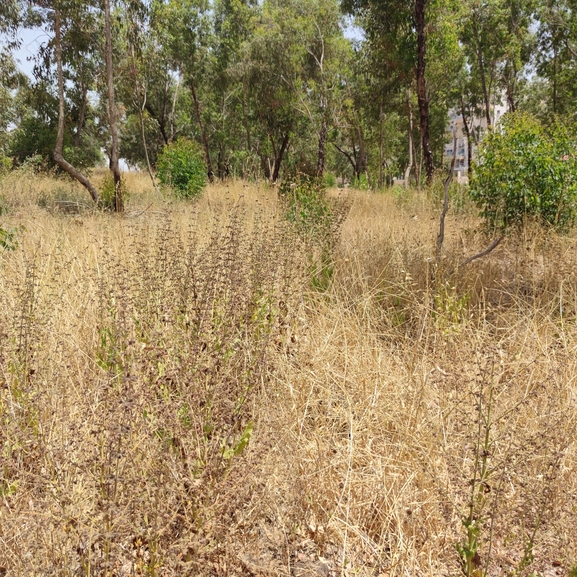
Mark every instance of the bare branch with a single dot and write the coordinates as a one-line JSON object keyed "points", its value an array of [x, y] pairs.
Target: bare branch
{"points": [[447, 183], [492, 247], [346, 154]]}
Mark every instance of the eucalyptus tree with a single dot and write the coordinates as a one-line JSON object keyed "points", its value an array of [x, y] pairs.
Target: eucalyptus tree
{"points": [[227, 85], [271, 58], [117, 200], [519, 49], [10, 14], [323, 65], [184, 26], [58, 153], [401, 29], [10, 80], [557, 55], [349, 137], [483, 34]]}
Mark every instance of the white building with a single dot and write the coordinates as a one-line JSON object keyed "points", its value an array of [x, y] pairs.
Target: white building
{"points": [[477, 130]]}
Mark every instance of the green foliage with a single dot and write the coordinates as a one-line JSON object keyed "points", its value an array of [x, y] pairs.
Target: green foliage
{"points": [[181, 166], [238, 448], [307, 206], [402, 195], [329, 180], [316, 221], [8, 239], [362, 182], [36, 137], [107, 195], [5, 165], [526, 170]]}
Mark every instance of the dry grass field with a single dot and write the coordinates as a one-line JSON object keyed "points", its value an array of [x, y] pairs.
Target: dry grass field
{"points": [[183, 393]]}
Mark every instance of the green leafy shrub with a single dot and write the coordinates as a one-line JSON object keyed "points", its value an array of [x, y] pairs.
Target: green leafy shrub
{"points": [[307, 206], [181, 166], [329, 180], [35, 137], [8, 240], [107, 191], [362, 183], [5, 165], [525, 169], [317, 220]]}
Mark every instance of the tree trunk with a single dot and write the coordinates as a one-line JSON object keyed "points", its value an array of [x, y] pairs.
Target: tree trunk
{"points": [[321, 151], [141, 118], [554, 79], [159, 121], [59, 146], [173, 109], [410, 114], [362, 157], [245, 119], [467, 134], [352, 162], [511, 81], [486, 96], [381, 143], [420, 19], [202, 133], [279, 157], [114, 166], [81, 114]]}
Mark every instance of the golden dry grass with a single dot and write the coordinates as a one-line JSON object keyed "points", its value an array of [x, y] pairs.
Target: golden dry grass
{"points": [[136, 353]]}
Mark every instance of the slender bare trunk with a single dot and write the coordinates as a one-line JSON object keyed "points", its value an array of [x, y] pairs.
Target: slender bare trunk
{"points": [[202, 132], [381, 143], [59, 146], [467, 134], [362, 157], [420, 18], [555, 80], [481, 62], [321, 150], [419, 165], [410, 114], [173, 109], [118, 201], [245, 119], [279, 157], [81, 114], [140, 105]]}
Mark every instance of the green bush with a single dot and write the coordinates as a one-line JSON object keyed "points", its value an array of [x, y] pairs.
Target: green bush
{"points": [[306, 205], [309, 210], [35, 137], [8, 240], [107, 192], [181, 166], [5, 165], [329, 180], [526, 170]]}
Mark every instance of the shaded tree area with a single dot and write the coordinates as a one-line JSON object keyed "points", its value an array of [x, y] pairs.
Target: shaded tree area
{"points": [[277, 87]]}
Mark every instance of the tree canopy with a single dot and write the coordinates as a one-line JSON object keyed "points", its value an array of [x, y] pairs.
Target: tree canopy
{"points": [[277, 87]]}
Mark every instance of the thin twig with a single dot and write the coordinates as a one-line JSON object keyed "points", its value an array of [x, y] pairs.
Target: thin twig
{"points": [[140, 213], [447, 183]]}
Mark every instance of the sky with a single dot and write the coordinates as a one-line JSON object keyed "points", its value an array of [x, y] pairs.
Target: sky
{"points": [[31, 39]]}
